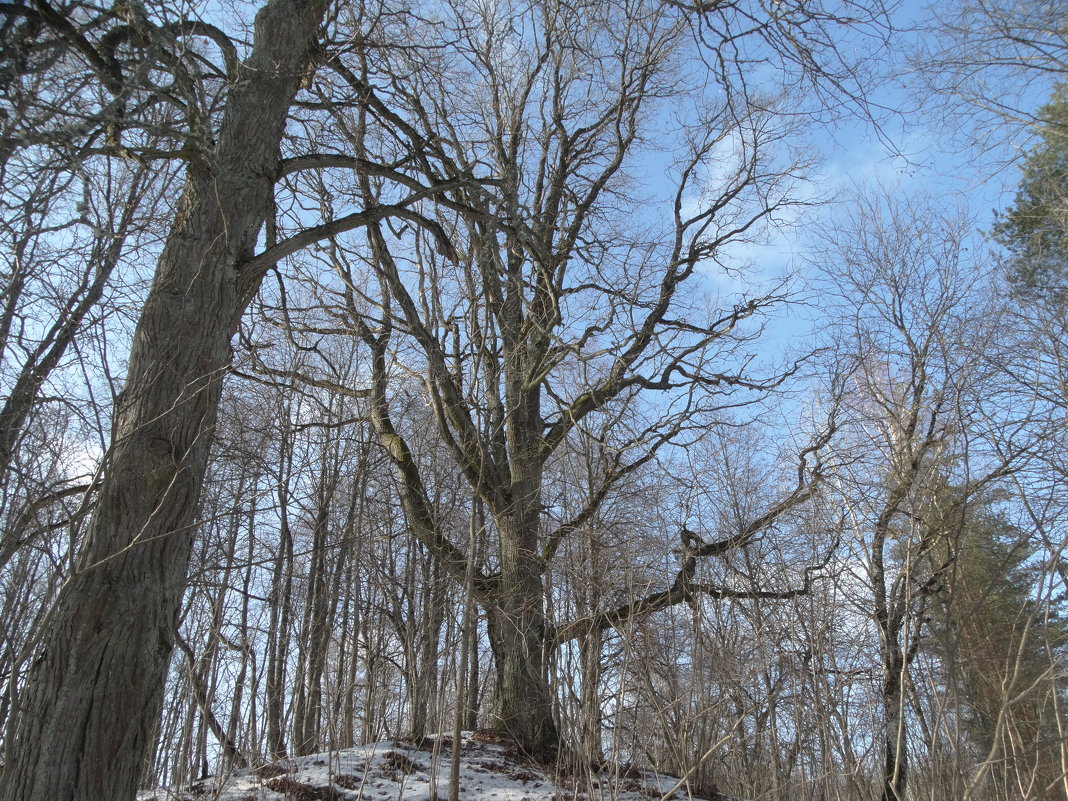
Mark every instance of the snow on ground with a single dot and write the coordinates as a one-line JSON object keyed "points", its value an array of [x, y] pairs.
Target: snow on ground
{"points": [[490, 770]]}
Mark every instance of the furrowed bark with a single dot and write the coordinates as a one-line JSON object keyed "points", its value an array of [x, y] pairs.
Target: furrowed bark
{"points": [[84, 718]]}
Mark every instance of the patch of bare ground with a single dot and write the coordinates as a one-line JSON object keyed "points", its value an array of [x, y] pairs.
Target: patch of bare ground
{"points": [[298, 791]]}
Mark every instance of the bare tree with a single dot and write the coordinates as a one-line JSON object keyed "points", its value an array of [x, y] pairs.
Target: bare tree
{"points": [[84, 717], [991, 64], [520, 274], [519, 292], [911, 334]]}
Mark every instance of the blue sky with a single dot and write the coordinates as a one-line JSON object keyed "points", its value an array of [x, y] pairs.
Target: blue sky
{"points": [[920, 146]]}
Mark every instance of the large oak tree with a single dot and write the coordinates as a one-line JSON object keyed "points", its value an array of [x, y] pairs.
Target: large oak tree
{"points": [[558, 295]]}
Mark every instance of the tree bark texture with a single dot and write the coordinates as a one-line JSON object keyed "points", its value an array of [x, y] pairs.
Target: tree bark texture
{"points": [[895, 764], [85, 716], [517, 625]]}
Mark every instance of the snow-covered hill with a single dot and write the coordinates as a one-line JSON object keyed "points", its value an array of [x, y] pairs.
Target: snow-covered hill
{"points": [[490, 770]]}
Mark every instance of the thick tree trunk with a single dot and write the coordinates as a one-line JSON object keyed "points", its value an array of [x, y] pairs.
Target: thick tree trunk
{"points": [[86, 713], [517, 632], [517, 626]]}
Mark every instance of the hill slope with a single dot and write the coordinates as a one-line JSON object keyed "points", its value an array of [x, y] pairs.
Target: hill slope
{"points": [[490, 770]]}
